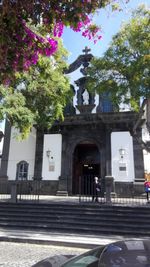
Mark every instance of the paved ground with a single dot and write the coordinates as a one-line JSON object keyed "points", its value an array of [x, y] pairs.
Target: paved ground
{"points": [[29, 247], [25, 255], [56, 238]]}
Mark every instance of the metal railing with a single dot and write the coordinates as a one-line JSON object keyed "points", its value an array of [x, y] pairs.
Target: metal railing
{"points": [[31, 191], [107, 195], [28, 190], [16, 191], [87, 192], [5, 191]]}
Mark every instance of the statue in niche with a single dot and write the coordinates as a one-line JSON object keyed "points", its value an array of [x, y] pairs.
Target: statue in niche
{"points": [[85, 97]]}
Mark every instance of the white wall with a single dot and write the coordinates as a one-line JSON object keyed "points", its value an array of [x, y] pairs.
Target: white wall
{"points": [[51, 168], [122, 140], [146, 155], [21, 150], [146, 161], [2, 128]]}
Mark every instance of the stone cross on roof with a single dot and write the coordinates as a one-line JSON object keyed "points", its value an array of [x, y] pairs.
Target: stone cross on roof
{"points": [[86, 50]]}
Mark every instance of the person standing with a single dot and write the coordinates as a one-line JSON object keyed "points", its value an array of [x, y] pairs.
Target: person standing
{"points": [[96, 189], [147, 188]]}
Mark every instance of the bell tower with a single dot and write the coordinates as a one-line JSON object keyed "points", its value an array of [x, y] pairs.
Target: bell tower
{"points": [[85, 99]]}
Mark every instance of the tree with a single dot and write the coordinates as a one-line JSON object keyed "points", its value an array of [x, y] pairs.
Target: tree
{"points": [[20, 45], [38, 96], [124, 70]]}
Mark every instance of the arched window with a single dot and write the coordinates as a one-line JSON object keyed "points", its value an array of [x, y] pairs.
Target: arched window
{"points": [[22, 170]]}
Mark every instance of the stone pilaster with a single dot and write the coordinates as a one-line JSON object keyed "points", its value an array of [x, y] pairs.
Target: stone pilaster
{"points": [[108, 151], [5, 152], [38, 155]]}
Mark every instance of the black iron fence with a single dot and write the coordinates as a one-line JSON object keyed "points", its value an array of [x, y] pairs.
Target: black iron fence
{"points": [[16, 191], [32, 191], [108, 195], [28, 190], [88, 192], [5, 192]]}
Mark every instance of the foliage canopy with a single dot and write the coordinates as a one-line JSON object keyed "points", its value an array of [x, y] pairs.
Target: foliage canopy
{"points": [[20, 45], [124, 70], [37, 97]]}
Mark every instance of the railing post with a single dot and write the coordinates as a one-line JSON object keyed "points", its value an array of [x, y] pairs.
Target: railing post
{"points": [[13, 192], [109, 180], [62, 186]]}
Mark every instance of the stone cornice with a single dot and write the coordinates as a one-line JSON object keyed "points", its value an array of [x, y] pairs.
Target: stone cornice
{"points": [[100, 118]]}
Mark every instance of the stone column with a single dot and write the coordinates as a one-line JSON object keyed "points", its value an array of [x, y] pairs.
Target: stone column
{"points": [[108, 151], [65, 167], [138, 157], [148, 113], [38, 155], [5, 152], [14, 192], [62, 186], [109, 184]]}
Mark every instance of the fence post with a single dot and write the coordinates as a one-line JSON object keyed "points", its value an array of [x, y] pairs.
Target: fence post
{"points": [[14, 192], [109, 180]]}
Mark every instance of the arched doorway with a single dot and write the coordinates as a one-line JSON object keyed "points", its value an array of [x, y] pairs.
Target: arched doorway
{"points": [[86, 161]]}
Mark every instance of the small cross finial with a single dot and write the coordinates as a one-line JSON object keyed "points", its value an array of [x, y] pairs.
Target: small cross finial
{"points": [[86, 50]]}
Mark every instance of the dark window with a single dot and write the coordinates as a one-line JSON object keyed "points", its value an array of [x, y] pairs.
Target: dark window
{"points": [[22, 170], [106, 103]]}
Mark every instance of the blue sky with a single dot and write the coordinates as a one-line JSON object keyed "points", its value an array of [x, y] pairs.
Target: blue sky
{"points": [[110, 24]]}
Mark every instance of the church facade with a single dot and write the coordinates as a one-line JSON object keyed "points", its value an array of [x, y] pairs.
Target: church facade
{"points": [[93, 140]]}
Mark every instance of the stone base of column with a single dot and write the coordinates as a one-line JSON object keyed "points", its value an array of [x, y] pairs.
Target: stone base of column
{"points": [[112, 194], [3, 178], [62, 193], [13, 192]]}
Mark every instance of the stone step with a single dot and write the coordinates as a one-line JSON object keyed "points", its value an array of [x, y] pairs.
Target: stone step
{"points": [[103, 229], [82, 221], [65, 207], [77, 215], [77, 218], [78, 211]]}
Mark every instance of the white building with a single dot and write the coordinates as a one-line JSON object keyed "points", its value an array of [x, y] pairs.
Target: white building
{"points": [[93, 140]]}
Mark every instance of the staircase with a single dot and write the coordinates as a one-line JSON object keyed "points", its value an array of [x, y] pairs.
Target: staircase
{"points": [[76, 218]]}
